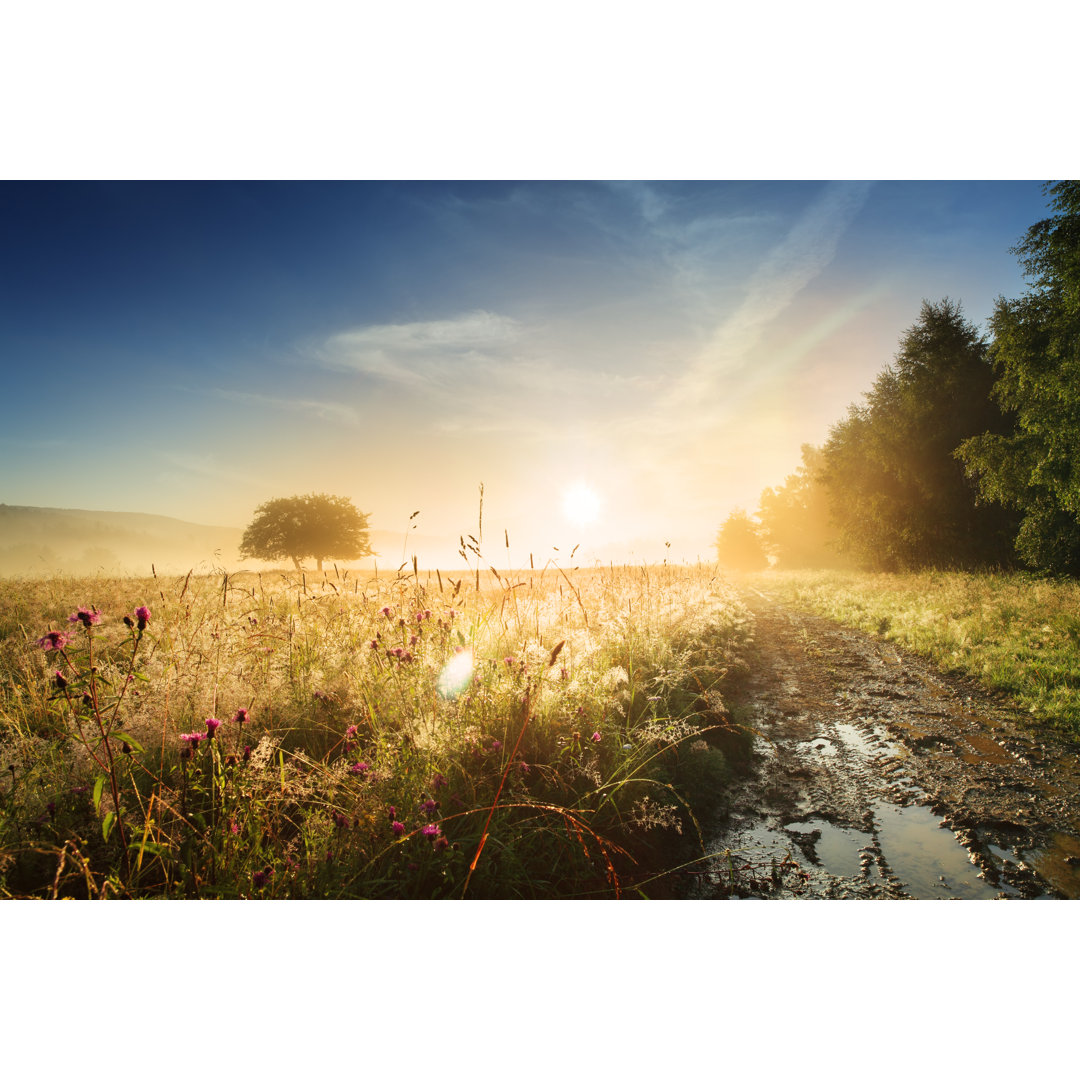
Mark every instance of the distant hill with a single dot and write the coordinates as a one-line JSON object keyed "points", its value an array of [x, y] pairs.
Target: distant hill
{"points": [[39, 540]]}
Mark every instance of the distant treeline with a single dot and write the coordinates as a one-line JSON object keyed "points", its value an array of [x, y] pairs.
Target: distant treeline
{"points": [[965, 452]]}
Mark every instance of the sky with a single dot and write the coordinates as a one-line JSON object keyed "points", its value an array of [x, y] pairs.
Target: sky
{"points": [[662, 349]]}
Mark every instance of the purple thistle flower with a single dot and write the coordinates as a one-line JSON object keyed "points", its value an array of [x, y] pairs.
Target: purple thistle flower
{"points": [[240, 716], [430, 831], [391, 812], [59, 680], [142, 616], [596, 736], [193, 738], [247, 753], [340, 820], [87, 616], [373, 644], [350, 731], [359, 768], [212, 724], [495, 745], [260, 877], [508, 661], [438, 781], [441, 843], [388, 611], [429, 807], [399, 828], [54, 639]]}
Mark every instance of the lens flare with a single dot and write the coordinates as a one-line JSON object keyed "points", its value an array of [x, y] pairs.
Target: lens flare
{"points": [[456, 673]]}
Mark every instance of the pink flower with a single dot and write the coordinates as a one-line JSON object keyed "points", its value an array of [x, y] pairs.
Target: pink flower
{"points": [[596, 736], [261, 877], [59, 680], [360, 767], [350, 731], [240, 716], [193, 738], [142, 616], [429, 807], [212, 724], [441, 843], [54, 639], [399, 828], [87, 616], [388, 611], [391, 812], [438, 781], [373, 644], [429, 832]]}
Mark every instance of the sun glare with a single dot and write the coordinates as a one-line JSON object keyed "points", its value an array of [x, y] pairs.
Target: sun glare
{"points": [[581, 505]]}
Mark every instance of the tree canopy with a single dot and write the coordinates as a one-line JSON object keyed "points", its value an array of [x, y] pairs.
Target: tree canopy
{"points": [[796, 518], [898, 494], [307, 526], [1035, 467], [738, 543]]}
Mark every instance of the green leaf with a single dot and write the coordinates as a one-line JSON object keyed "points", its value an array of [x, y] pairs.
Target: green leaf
{"points": [[99, 787], [107, 824], [129, 740], [147, 847]]}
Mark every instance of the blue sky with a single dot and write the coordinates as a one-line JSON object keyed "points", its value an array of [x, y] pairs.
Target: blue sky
{"points": [[193, 349]]}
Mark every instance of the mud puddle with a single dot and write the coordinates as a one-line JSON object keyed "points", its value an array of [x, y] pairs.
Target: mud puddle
{"points": [[875, 777]]}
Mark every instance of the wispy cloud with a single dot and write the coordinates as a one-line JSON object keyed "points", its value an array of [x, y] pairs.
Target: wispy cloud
{"points": [[421, 352], [789, 267], [321, 410], [189, 465]]}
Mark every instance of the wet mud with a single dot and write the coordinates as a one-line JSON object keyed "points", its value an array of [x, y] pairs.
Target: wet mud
{"points": [[874, 776]]}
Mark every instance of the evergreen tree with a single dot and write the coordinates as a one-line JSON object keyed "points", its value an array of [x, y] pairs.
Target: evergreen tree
{"points": [[1035, 467]]}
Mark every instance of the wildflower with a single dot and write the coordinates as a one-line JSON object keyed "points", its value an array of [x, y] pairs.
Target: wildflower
{"points": [[388, 611], [261, 877], [429, 832], [429, 807], [596, 736], [495, 745], [441, 843], [234, 826], [438, 781], [413, 639], [247, 753], [192, 737], [340, 820], [87, 616], [212, 724], [359, 768], [54, 639], [350, 731], [373, 644], [508, 661], [129, 622], [399, 652], [240, 716], [142, 616], [59, 680], [406, 657], [399, 828], [391, 812]]}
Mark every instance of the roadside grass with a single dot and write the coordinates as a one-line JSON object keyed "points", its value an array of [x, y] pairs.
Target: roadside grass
{"points": [[1016, 633], [498, 734]]}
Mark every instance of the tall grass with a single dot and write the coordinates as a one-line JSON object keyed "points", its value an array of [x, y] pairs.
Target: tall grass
{"points": [[537, 734], [1016, 633]]}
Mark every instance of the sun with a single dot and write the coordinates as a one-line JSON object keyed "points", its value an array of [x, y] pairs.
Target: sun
{"points": [[580, 504]]}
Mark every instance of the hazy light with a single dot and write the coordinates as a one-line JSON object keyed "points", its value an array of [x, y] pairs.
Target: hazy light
{"points": [[581, 504], [456, 673]]}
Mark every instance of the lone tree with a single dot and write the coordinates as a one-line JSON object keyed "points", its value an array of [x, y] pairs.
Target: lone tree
{"points": [[307, 526]]}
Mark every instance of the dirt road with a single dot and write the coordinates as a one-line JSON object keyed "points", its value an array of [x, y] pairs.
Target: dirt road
{"points": [[875, 776]]}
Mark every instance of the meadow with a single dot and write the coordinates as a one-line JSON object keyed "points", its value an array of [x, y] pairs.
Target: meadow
{"points": [[1016, 633], [538, 734]]}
